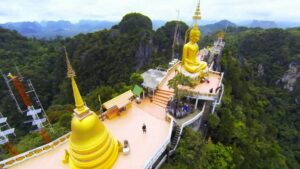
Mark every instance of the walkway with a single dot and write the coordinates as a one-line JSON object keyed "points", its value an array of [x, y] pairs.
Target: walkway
{"points": [[128, 126]]}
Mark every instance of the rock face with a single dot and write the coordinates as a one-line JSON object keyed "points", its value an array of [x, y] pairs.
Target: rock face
{"points": [[291, 76], [260, 70], [143, 54]]}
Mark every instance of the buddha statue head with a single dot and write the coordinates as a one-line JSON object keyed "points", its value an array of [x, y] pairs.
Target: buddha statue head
{"points": [[195, 34]]}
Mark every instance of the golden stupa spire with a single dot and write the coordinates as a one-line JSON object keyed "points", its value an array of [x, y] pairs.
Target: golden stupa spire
{"points": [[90, 144], [80, 109], [71, 73]]}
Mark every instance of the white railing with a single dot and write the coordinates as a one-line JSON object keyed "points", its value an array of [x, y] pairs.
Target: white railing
{"points": [[199, 95], [192, 120], [34, 152], [168, 73], [211, 66], [222, 76], [221, 96], [202, 95], [218, 102], [161, 162], [161, 149]]}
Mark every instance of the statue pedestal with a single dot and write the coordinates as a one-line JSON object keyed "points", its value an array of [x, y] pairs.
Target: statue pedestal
{"points": [[197, 76], [186, 73]]}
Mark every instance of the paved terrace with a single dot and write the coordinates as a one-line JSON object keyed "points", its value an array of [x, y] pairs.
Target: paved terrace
{"points": [[214, 78], [128, 126]]}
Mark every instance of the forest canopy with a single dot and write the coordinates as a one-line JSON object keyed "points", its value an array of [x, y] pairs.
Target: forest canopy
{"points": [[257, 125]]}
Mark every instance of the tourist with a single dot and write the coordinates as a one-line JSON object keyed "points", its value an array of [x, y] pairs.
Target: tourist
{"points": [[144, 128]]}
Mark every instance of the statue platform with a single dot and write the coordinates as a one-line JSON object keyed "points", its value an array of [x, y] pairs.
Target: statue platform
{"points": [[202, 89], [186, 73]]}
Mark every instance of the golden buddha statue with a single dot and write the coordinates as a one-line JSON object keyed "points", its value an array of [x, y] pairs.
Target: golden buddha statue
{"points": [[91, 146], [191, 65]]}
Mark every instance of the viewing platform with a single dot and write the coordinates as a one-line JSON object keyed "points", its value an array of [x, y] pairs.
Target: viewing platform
{"points": [[204, 91], [135, 133], [127, 126]]}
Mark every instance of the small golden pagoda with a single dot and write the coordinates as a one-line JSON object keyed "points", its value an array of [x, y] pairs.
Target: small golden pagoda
{"points": [[91, 146]]}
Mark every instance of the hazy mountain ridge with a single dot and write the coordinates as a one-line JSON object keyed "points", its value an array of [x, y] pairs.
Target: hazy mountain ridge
{"points": [[51, 29], [263, 24], [64, 28], [212, 28]]}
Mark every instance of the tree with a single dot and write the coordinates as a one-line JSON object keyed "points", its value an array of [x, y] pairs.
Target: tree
{"points": [[183, 81], [136, 79], [135, 22], [194, 152]]}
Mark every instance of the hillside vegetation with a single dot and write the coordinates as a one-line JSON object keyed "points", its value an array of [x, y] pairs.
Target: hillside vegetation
{"points": [[257, 125]]}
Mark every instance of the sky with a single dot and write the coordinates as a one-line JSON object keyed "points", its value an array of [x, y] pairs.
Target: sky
{"points": [[113, 10]]}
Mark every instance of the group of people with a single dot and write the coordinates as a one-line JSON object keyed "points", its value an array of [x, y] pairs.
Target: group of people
{"points": [[178, 110]]}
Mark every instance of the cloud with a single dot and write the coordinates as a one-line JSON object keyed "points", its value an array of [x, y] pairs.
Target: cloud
{"points": [[74, 10]]}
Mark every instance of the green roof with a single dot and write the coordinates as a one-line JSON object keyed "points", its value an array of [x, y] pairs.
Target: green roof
{"points": [[137, 90]]}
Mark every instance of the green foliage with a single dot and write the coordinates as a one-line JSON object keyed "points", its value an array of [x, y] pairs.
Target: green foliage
{"points": [[164, 39], [65, 121], [135, 22], [183, 81], [105, 92], [257, 125], [217, 156], [30, 141], [136, 78], [57, 131], [249, 113], [55, 112], [258, 121], [193, 152]]}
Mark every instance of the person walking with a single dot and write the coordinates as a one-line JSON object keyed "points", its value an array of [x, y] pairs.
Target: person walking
{"points": [[144, 128]]}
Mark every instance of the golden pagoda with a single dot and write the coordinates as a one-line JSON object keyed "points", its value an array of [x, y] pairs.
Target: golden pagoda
{"points": [[91, 146]]}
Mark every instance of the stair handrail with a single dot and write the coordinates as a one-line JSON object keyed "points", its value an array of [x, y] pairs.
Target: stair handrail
{"points": [[192, 120], [218, 101]]}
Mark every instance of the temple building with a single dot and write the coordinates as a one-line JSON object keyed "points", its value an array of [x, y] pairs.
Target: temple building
{"points": [[116, 138]]}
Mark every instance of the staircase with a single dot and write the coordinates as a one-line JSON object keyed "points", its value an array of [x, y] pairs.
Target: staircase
{"points": [[162, 97], [175, 139]]}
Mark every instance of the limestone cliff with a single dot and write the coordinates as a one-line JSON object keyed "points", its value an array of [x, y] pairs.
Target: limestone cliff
{"points": [[291, 76]]}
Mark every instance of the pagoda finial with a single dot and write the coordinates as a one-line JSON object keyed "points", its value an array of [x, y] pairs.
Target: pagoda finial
{"points": [[197, 14], [196, 17], [71, 73], [80, 109]]}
